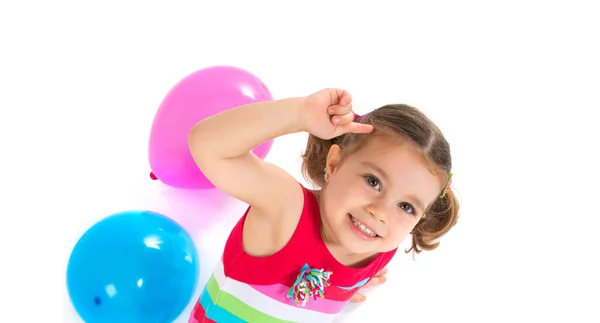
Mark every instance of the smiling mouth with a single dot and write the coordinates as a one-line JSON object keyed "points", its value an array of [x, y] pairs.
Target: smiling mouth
{"points": [[363, 227]]}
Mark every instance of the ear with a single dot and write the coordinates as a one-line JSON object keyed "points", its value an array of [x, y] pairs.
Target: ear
{"points": [[333, 161]]}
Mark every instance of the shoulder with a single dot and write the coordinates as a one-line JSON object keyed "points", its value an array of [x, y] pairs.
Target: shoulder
{"points": [[269, 235], [301, 218]]}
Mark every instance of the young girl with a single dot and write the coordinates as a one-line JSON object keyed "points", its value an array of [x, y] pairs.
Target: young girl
{"points": [[300, 255]]}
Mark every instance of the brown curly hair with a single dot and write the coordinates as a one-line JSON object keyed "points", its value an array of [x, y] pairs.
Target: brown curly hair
{"points": [[410, 123]]}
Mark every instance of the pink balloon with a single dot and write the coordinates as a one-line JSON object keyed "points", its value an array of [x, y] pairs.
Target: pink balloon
{"points": [[199, 95]]}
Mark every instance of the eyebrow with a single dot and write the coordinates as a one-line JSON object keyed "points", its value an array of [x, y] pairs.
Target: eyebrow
{"points": [[376, 169], [385, 176]]}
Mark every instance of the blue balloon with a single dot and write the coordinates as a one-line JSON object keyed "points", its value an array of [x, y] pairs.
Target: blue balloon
{"points": [[133, 266]]}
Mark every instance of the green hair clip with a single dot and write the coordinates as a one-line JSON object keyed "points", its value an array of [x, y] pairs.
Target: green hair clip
{"points": [[447, 187]]}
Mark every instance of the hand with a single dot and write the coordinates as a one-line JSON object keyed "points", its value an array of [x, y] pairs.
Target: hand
{"points": [[329, 114], [377, 280]]}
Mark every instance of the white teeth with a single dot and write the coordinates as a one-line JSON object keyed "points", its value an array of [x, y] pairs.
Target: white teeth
{"points": [[363, 228]]}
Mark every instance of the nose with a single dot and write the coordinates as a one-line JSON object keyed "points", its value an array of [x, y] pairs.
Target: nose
{"points": [[377, 212]]}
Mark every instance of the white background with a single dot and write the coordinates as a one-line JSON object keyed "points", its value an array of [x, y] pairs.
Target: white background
{"points": [[514, 85]]}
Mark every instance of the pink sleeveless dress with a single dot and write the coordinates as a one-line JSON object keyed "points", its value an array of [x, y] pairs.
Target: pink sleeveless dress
{"points": [[302, 282]]}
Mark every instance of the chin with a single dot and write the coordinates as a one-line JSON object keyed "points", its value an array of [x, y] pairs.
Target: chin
{"points": [[365, 252], [358, 247]]}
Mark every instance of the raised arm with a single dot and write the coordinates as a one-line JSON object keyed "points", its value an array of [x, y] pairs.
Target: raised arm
{"points": [[221, 146]]}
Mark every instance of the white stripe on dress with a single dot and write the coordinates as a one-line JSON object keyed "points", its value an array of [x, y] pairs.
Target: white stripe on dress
{"points": [[265, 304]]}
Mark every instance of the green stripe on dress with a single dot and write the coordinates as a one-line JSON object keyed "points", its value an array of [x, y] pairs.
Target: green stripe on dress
{"points": [[236, 307]]}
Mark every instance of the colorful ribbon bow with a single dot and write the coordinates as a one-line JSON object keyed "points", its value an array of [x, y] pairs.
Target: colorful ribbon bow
{"points": [[310, 283]]}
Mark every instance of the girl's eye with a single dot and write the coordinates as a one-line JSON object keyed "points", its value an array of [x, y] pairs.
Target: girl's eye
{"points": [[407, 207], [373, 182]]}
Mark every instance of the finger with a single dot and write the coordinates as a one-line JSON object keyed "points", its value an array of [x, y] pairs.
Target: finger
{"points": [[339, 110], [355, 127], [340, 97], [375, 281], [342, 119], [382, 272], [357, 298]]}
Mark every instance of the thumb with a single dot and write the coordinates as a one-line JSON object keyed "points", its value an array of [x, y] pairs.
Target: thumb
{"points": [[355, 127]]}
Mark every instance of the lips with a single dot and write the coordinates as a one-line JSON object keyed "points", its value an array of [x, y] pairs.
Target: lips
{"points": [[362, 227]]}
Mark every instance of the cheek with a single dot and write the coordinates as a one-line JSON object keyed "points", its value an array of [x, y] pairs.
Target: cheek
{"points": [[346, 190], [339, 200], [402, 225], [332, 204]]}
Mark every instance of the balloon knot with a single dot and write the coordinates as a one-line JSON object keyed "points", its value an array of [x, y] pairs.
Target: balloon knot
{"points": [[152, 176]]}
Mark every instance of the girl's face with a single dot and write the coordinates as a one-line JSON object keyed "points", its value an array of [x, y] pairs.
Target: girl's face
{"points": [[375, 196]]}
